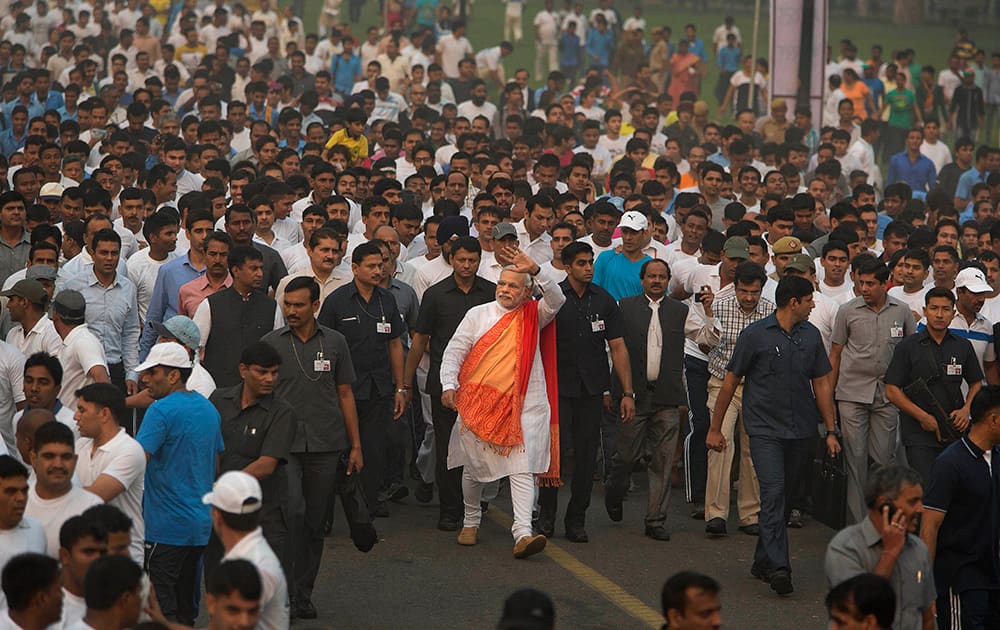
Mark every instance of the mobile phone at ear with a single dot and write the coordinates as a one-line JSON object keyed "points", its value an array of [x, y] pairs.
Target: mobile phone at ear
{"points": [[886, 504]]}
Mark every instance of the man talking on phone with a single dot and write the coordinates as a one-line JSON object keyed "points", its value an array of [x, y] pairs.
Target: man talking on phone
{"points": [[886, 542]]}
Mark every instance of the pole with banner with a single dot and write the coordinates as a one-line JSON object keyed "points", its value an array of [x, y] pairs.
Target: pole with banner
{"points": [[798, 54]]}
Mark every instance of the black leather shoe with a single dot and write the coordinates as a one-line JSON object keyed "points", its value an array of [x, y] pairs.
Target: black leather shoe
{"points": [[545, 526], [614, 508], [759, 573], [306, 610], [424, 492], [398, 493], [716, 527], [698, 511], [781, 582], [446, 524], [577, 534], [751, 530], [658, 532]]}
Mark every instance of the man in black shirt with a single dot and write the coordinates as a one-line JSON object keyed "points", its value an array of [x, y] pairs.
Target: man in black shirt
{"points": [[367, 316], [589, 318], [257, 430], [943, 361], [961, 521], [441, 311]]}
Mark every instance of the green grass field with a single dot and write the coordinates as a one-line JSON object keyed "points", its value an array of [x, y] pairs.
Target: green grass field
{"points": [[932, 42]]}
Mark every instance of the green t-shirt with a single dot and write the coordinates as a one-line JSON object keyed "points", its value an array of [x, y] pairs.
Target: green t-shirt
{"points": [[901, 108]]}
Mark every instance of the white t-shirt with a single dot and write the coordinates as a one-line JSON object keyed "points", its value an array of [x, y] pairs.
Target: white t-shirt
{"points": [[80, 352], [937, 153], [42, 338], [274, 590], [841, 294], [73, 610], [142, 272], [122, 459], [453, 50], [26, 536], [11, 390], [52, 513], [913, 300], [63, 415]]}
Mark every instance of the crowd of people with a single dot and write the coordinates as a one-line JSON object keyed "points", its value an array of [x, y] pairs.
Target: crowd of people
{"points": [[248, 269]]}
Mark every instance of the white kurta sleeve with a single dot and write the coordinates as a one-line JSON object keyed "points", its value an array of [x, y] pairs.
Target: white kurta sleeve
{"points": [[456, 351], [552, 298]]}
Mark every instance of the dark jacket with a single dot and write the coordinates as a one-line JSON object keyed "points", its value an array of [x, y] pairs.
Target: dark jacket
{"points": [[669, 390]]}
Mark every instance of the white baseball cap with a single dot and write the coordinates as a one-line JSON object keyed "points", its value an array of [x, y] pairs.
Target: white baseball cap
{"points": [[973, 281], [634, 221], [235, 492], [167, 354]]}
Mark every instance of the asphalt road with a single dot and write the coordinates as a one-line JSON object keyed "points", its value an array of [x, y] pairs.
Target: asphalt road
{"points": [[418, 577]]}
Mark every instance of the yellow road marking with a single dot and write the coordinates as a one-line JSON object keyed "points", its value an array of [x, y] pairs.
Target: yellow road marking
{"points": [[608, 589]]}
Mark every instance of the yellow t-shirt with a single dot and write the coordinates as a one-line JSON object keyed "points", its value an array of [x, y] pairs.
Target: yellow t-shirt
{"points": [[357, 146]]}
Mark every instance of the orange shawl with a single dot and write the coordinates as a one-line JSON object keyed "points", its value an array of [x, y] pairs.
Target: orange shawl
{"points": [[493, 382]]}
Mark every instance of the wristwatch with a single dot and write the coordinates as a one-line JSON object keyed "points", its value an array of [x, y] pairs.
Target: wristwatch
{"points": [[834, 433], [629, 395]]}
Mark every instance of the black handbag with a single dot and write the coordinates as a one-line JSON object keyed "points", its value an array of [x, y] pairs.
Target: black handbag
{"points": [[352, 500], [829, 490]]}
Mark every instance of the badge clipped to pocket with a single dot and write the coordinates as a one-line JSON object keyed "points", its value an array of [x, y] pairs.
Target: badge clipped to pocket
{"points": [[597, 325], [383, 328], [321, 364], [954, 368], [896, 332]]}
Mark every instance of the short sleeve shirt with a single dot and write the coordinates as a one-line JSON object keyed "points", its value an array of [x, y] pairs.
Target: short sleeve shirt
{"points": [[306, 378], [869, 339], [966, 487], [777, 368], [182, 436], [584, 325]]}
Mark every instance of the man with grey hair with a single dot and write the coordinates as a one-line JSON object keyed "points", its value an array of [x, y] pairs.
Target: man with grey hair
{"points": [[504, 412], [886, 542]]}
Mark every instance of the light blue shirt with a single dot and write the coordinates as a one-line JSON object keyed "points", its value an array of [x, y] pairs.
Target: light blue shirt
{"points": [[967, 180], [729, 58], [163, 303], [112, 315]]}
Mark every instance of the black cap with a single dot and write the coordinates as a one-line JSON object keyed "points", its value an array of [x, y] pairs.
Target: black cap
{"points": [[528, 609]]}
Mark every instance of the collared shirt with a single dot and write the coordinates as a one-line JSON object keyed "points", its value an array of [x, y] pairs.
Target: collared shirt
{"points": [[163, 304], [122, 459], [965, 485], [869, 339], [539, 249], [274, 589], [41, 338], [193, 293], [441, 311], [919, 356], [408, 305], [264, 429], [778, 368], [858, 548], [81, 351], [979, 333], [919, 174], [583, 326], [112, 316], [369, 326], [11, 391], [14, 257], [730, 320], [304, 378]]}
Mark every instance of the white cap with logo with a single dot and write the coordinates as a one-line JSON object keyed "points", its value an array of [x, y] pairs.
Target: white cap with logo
{"points": [[973, 281]]}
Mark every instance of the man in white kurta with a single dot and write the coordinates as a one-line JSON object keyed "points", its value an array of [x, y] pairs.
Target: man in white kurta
{"points": [[481, 461]]}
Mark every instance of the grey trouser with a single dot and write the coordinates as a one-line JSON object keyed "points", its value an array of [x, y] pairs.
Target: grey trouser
{"points": [[869, 432]]}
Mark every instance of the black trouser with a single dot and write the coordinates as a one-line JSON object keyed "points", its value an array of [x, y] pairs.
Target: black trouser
{"points": [[968, 610], [449, 481], [699, 417], [397, 437], [173, 572], [921, 458], [579, 429], [311, 480], [722, 86], [374, 421], [117, 373]]}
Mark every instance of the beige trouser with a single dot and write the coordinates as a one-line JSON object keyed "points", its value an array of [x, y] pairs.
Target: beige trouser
{"points": [[720, 465]]}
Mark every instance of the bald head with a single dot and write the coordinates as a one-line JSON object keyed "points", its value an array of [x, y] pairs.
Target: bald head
{"points": [[26, 427]]}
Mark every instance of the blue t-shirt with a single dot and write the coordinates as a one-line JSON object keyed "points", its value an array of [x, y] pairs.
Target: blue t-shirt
{"points": [[618, 275], [182, 435]]}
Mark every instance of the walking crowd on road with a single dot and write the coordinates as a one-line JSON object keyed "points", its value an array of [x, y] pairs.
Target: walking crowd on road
{"points": [[251, 266]]}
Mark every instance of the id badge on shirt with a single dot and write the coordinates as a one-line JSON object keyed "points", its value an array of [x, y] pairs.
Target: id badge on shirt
{"points": [[383, 328], [597, 325], [321, 364], [954, 368], [896, 332]]}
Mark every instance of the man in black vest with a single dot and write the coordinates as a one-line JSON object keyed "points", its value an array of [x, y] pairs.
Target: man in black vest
{"points": [[366, 314], [590, 319], [235, 317], [656, 355]]}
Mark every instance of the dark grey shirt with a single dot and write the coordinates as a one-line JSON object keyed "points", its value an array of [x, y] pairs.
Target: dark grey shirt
{"points": [[314, 391], [857, 548]]}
